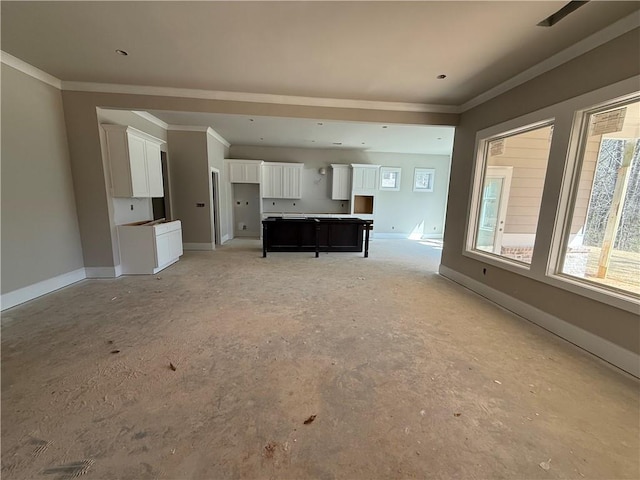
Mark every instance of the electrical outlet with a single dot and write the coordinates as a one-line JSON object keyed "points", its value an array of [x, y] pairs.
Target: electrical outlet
{"points": [[132, 207]]}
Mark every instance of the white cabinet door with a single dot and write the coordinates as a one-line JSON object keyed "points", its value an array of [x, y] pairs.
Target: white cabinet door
{"points": [[291, 182], [175, 243], [365, 178], [270, 181], [163, 249], [245, 172], [341, 182], [253, 173], [138, 166], [154, 169]]}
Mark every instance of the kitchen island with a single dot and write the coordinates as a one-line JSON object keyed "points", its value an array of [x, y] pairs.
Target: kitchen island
{"points": [[315, 234]]}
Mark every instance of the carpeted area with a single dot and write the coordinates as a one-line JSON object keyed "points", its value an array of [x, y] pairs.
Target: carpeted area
{"points": [[408, 374]]}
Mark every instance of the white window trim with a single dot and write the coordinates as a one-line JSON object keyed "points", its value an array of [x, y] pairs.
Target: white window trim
{"points": [[397, 170], [548, 245]]}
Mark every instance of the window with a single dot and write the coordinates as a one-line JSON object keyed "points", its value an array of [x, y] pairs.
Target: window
{"points": [[510, 178], [390, 178], [602, 238], [423, 179]]}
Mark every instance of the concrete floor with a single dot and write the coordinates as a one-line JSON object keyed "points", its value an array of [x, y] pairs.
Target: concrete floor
{"points": [[409, 376]]}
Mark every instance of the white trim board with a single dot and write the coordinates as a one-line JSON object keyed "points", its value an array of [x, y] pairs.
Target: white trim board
{"points": [[225, 238], [30, 70], [199, 246], [24, 294], [152, 118], [598, 346]]}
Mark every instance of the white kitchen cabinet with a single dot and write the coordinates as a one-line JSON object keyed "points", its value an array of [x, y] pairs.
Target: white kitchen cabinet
{"points": [[148, 248], [365, 178], [282, 180], [134, 162], [341, 182], [245, 171]]}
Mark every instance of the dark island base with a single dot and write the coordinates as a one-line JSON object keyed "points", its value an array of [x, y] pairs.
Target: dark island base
{"points": [[315, 235]]}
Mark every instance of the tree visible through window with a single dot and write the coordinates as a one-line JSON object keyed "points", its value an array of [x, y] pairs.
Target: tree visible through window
{"points": [[604, 242]]}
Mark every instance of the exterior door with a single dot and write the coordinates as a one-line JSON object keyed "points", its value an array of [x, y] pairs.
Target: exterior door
{"points": [[493, 209]]}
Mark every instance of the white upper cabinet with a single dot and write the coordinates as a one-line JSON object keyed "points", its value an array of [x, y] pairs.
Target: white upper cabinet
{"points": [[134, 162], [341, 182], [365, 178], [282, 180], [245, 171]]}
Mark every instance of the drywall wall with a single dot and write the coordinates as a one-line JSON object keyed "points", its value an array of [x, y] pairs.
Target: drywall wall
{"points": [[88, 173], [405, 212], [190, 178], [610, 63], [216, 153], [40, 235], [246, 210]]}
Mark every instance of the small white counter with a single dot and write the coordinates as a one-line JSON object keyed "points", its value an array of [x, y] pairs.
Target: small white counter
{"points": [[147, 248]]}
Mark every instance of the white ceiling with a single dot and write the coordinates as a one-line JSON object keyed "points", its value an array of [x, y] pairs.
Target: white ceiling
{"points": [[309, 133], [380, 51]]}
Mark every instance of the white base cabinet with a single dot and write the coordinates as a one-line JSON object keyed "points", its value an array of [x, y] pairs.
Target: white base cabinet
{"points": [[147, 249]]}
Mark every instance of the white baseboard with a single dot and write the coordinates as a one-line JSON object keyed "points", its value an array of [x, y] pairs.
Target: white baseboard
{"points": [[104, 272], [407, 235], [11, 299], [392, 235], [199, 246], [225, 238], [609, 351]]}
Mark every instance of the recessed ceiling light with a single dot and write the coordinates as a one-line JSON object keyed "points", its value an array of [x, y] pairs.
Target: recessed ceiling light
{"points": [[261, 138], [122, 52], [441, 76], [362, 143], [439, 138]]}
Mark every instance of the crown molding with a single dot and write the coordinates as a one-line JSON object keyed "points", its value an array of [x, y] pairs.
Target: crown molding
{"points": [[601, 37], [256, 97], [217, 136], [622, 26], [203, 129], [30, 70], [151, 118]]}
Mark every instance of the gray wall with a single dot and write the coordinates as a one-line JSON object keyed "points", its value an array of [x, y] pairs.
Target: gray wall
{"points": [[605, 65], [190, 179], [40, 236], [216, 153], [396, 212]]}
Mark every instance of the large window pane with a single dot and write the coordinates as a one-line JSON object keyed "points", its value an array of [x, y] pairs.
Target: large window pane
{"points": [[604, 242], [515, 166]]}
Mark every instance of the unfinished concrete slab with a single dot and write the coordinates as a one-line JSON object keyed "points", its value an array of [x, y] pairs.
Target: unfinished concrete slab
{"points": [[408, 375]]}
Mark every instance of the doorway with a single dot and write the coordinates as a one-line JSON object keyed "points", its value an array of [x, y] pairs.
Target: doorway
{"points": [[161, 206], [215, 206]]}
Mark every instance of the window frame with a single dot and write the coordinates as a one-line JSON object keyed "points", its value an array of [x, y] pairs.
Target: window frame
{"points": [[567, 204], [398, 171], [557, 193], [483, 138]]}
